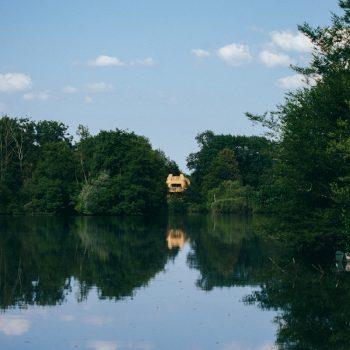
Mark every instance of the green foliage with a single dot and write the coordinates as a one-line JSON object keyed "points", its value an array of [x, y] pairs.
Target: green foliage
{"points": [[229, 197], [48, 131], [242, 160], [252, 153], [177, 204], [224, 167], [311, 171], [124, 176], [112, 173], [53, 183], [17, 158]]}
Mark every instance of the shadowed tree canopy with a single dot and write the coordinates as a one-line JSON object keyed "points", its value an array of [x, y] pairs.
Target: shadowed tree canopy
{"points": [[246, 159], [125, 176], [311, 177], [112, 173], [223, 167]]}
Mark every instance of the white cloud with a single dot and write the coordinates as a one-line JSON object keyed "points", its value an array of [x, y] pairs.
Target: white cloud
{"points": [[104, 60], [144, 62], [200, 53], [288, 41], [40, 96], [10, 82], [98, 320], [67, 317], [98, 87], [102, 345], [88, 100], [13, 325], [69, 90], [292, 82], [234, 54], [271, 59], [89, 88]]}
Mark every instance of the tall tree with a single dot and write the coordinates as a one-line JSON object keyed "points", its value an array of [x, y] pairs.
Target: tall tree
{"points": [[312, 167], [224, 167], [126, 176], [54, 181]]}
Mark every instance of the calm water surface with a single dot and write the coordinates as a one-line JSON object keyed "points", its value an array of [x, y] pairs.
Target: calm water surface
{"points": [[197, 282]]}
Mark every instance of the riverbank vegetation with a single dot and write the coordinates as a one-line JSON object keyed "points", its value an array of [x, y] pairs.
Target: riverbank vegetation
{"points": [[227, 171], [42, 171], [303, 162]]}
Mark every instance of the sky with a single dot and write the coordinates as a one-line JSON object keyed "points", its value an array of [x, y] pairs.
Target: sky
{"points": [[165, 69]]}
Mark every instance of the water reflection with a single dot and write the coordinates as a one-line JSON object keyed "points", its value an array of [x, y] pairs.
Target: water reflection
{"points": [[226, 251], [43, 259], [176, 238], [13, 325], [40, 257], [313, 306], [312, 302]]}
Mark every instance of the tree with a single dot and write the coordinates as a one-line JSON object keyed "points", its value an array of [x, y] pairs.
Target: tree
{"points": [[312, 124], [223, 167], [17, 159], [83, 149], [48, 131], [54, 181], [126, 176], [253, 161], [115, 172]]}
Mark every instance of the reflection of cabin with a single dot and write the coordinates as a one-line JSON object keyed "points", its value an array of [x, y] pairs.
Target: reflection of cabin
{"points": [[176, 238], [177, 183]]}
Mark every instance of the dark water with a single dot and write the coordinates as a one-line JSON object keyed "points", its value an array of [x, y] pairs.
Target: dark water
{"points": [[196, 282]]}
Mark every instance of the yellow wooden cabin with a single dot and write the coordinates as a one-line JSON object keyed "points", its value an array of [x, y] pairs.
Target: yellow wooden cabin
{"points": [[177, 183]]}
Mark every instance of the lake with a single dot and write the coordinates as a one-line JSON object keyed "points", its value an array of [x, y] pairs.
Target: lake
{"points": [[186, 282]]}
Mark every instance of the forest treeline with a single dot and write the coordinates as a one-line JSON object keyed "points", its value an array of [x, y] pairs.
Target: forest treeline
{"points": [[44, 171], [112, 173]]}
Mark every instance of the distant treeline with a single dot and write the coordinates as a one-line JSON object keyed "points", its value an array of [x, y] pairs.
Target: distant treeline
{"points": [[113, 173], [227, 173], [42, 171]]}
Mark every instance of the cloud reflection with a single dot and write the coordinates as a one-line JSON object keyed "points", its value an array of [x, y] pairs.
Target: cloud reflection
{"points": [[67, 317], [98, 320], [114, 345], [13, 325], [238, 346], [102, 345]]}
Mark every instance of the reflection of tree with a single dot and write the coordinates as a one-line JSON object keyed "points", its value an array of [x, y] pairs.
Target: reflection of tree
{"points": [[312, 302], [313, 305], [39, 257], [225, 250], [123, 254], [33, 268]]}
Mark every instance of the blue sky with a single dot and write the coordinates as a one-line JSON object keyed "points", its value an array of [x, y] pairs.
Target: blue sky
{"points": [[164, 69]]}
